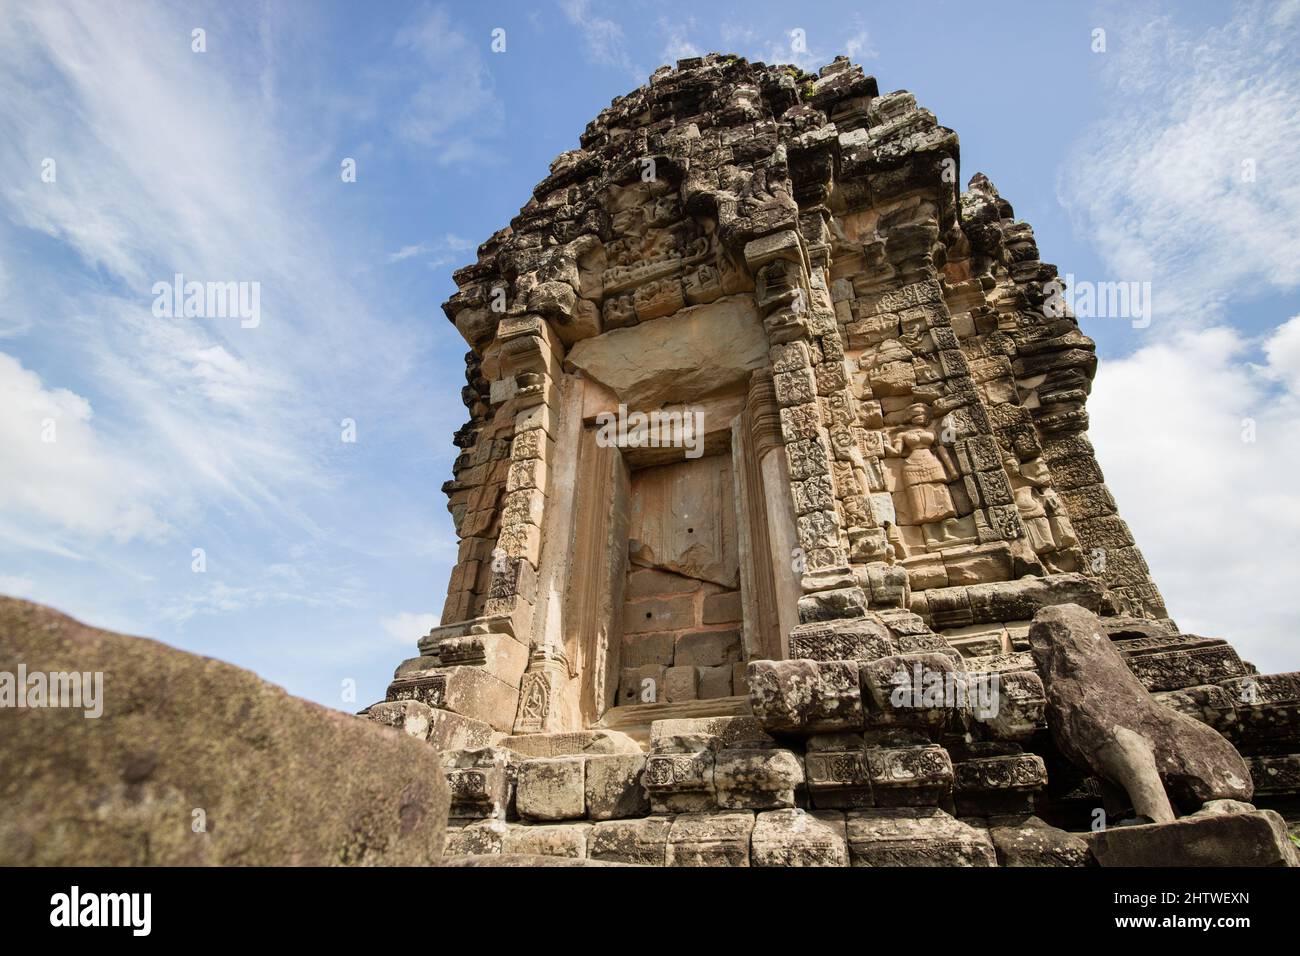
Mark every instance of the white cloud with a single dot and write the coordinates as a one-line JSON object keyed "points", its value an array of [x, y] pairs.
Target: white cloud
{"points": [[808, 46], [1188, 179], [64, 481], [437, 252], [858, 47], [14, 585], [602, 38], [303, 582], [1157, 185], [454, 109], [407, 627], [1283, 354], [1216, 517], [678, 47]]}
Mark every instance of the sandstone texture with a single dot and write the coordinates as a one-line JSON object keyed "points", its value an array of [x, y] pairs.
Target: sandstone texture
{"points": [[188, 743]]}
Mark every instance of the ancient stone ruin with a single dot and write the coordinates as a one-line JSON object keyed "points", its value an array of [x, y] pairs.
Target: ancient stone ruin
{"points": [[777, 445]]}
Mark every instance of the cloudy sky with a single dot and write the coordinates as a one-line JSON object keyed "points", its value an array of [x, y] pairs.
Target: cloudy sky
{"points": [[128, 156]]}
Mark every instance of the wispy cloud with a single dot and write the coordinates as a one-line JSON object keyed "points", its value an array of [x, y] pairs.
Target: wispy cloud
{"points": [[171, 161], [453, 109], [1188, 180], [602, 38], [434, 252]]}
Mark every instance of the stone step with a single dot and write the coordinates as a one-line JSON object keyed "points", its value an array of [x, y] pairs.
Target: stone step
{"points": [[915, 837], [635, 719], [1222, 833]]}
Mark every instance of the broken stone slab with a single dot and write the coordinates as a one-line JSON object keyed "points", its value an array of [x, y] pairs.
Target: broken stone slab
{"points": [[805, 697], [1001, 784], [551, 788], [413, 666], [1003, 663], [1018, 600], [726, 732], [615, 786], [566, 840], [1275, 774], [1223, 833], [572, 743], [1103, 719], [916, 836], [443, 729], [468, 691], [710, 839], [832, 605], [1025, 840], [411, 717], [493, 624], [641, 841], [1124, 627], [499, 655], [980, 642], [1267, 707], [861, 639], [921, 691], [680, 782], [794, 837], [1172, 662], [1208, 703], [756, 779]]}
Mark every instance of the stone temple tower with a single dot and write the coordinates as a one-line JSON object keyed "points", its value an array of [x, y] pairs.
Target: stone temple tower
{"points": [[757, 397]]}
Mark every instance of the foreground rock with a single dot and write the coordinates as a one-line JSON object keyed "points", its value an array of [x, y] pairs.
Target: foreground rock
{"points": [[1224, 833], [1103, 718], [197, 762]]}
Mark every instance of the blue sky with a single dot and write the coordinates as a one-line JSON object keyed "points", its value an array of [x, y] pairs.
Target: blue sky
{"points": [[326, 559]]}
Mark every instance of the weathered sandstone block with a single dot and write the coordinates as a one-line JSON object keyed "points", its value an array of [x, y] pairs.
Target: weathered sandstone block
{"points": [[551, 788], [805, 696], [915, 837], [799, 838], [710, 839], [615, 786], [756, 779], [1222, 833], [642, 841], [567, 840]]}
